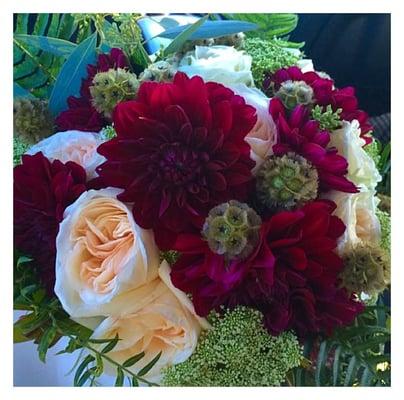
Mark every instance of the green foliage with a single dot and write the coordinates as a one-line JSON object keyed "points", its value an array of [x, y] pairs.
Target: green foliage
{"points": [[373, 150], [237, 351], [34, 68], [108, 132], [352, 356], [171, 256], [385, 225], [270, 25], [46, 322], [329, 120], [69, 78], [19, 148], [268, 56], [384, 166]]}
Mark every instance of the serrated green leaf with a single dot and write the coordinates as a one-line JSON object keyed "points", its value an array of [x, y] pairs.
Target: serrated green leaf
{"points": [[135, 382], [133, 360], [110, 345], [46, 341], [55, 46], [74, 69], [87, 360], [23, 259], [183, 36], [18, 336], [119, 377], [149, 366], [370, 343], [350, 372]]}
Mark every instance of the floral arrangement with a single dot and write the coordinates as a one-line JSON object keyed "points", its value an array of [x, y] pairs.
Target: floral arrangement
{"points": [[205, 215]]}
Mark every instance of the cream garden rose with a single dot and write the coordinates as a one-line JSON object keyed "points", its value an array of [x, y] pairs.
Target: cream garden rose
{"points": [[263, 136], [77, 146], [362, 170], [357, 211], [101, 253], [222, 64], [152, 319]]}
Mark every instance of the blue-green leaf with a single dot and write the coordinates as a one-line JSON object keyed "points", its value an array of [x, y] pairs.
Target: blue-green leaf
{"points": [[55, 46], [210, 29], [74, 69], [184, 36]]}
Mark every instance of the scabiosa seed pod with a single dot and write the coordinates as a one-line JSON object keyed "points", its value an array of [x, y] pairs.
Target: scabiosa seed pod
{"points": [[286, 182], [232, 230], [32, 120], [293, 93], [236, 40], [111, 87], [161, 71], [367, 269]]}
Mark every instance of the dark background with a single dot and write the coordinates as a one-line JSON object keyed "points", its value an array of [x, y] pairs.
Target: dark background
{"points": [[355, 50]]}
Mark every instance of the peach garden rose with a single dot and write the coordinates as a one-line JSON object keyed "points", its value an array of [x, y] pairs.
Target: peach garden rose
{"points": [[154, 318], [101, 253]]}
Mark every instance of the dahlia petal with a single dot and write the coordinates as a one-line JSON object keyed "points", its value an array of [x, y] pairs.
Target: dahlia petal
{"points": [[329, 181], [222, 116]]}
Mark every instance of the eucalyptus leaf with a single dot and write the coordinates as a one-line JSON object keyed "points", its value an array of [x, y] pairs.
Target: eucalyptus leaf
{"points": [[322, 355], [74, 69], [210, 29], [182, 37], [19, 91], [335, 365], [350, 371], [55, 46]]}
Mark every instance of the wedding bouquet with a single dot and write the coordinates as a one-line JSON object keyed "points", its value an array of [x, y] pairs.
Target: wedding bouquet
{"points": [[203, 215]]}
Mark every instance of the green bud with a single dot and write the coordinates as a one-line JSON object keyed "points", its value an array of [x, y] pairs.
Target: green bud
{"points": [[32, 120], [366, 269], [293, 93], [286, 182], [111, 87], [232, 229]]}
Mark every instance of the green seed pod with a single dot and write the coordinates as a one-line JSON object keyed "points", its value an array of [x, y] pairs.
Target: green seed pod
{"points": [[32, 120], [232, 230], [111, 87], [367, 269], [161, 71], [236, 40], [293, 93], [286, 182]]}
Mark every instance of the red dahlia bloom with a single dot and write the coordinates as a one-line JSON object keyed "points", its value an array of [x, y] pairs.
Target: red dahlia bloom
{"points": [[325, 94], [299, 134], [292, 277], [81, 115], [179, 151], [42, 191]]}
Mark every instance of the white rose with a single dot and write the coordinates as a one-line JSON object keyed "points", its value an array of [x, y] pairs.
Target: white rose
{"points": [[358, 212], [100, 253], [152, 319], [77, 146], [222, 64], [362, 170], [306, 65], [263, 136]]}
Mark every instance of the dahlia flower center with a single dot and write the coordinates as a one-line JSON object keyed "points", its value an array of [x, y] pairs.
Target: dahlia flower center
{"points": [[179, 164]]}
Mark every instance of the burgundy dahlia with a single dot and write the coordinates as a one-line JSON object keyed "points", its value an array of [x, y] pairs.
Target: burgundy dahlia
{"points": [[81, 115], [179, 151], [299, 134], [42, 191], [292, 277], [325, 94]]}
